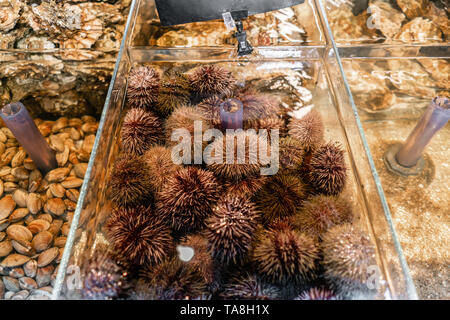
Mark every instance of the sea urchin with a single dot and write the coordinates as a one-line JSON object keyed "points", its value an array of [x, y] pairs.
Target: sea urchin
{"points": [[308, 130], [140, 130], [327, 170], [139, 235], [230, 230], [284, 255], [129, 183], [104, 279], [280, 197], [320, 213], [211, 80], [187, 198], [143, 85], [250, 287], [347, 255], [174, 92]]}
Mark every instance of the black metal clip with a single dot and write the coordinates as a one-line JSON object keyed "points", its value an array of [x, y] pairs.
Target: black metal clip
{"points": [[244, 47]]}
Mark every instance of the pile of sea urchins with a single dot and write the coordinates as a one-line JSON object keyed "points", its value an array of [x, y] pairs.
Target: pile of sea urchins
{"points": [[212, 230]]}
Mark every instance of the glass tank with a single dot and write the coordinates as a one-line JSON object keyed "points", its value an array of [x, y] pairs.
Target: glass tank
{"points": [[388, 22], [392, 89], [303, 82]]}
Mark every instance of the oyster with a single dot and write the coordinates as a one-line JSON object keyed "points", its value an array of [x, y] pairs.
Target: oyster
{"points": [[385, 18], [9, 14], [413, 8], [419, 30]]}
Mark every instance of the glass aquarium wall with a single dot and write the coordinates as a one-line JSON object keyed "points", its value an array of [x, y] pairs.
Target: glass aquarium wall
{"points": [[392, 91]]}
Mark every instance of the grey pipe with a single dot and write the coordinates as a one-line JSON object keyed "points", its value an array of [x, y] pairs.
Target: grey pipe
{"points": [[18, 120], [436, 116]]}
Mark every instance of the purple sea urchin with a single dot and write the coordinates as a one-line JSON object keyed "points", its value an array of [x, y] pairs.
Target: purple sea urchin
{"points": [[129, 183], [139, 235], [230, 230], [104, 279], [285, 255], [243, 162], [317, 294], [143, 85], [250, 287], [140, 130], [160, 165], [280, 197], [320, 213], [327, 170], [174, 280], [308, 130], [212, 80], [173, 93], [187, 198], [347, 255]]}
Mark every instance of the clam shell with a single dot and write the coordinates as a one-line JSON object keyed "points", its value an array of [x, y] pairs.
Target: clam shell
{"points": [[19, 233], [42, 241], [47, 257], [38, 225], [14, 260]]}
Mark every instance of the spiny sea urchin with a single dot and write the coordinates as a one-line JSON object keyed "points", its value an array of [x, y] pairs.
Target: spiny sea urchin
{"points": [[327, 170], [250, 287], [317, 294], [174, 92], [246, 187], [187, 198], [280, 197], [230, 230], [285, 255], [291, 153], [234, 157], [143, 85], [210, 80], [185, 118], [308, 130], [129, 183], [347, 255], [140, 130], [160, 165], [321, 212], [139, 235], [202, 259], [104, 278], [173, 279]]}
